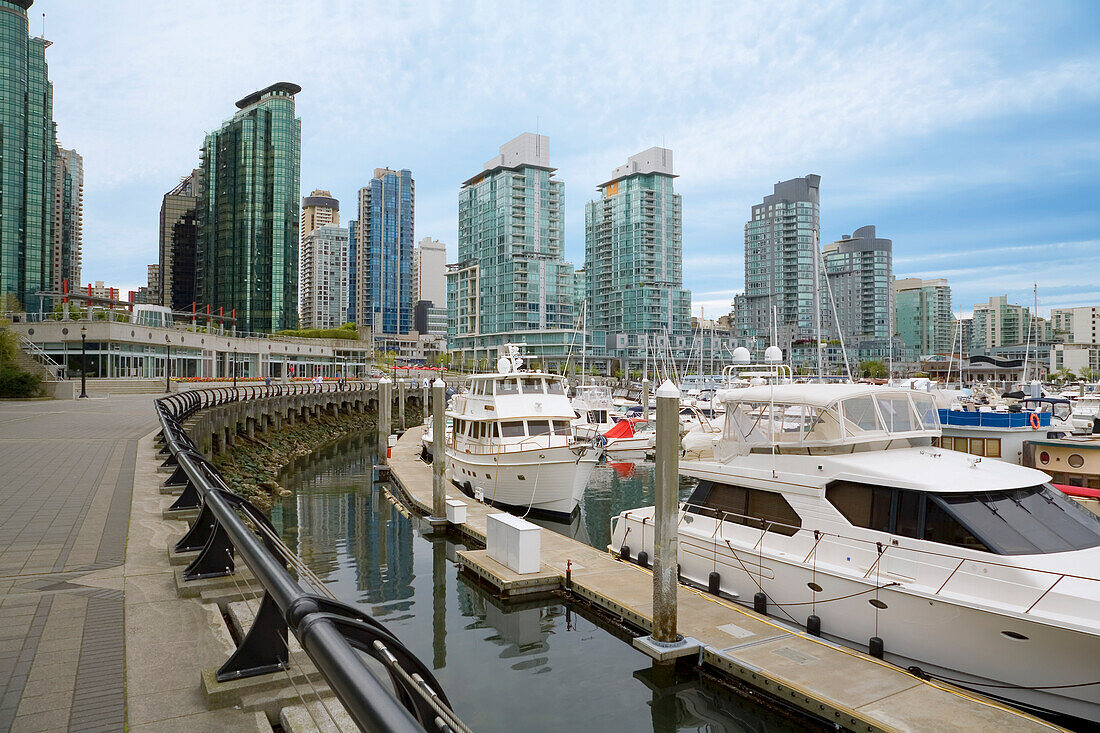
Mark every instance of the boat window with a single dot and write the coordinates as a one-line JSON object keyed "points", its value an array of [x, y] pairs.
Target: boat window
{"points": [[1062, 411], [512, 429], [908, 518], [507, 386], [939, 526], [862, 504], [926, 409], [860, 415], [897, 413], [749, 507], [494, 430], [561, 427], [554, 386], [538, 427], [531, 385], [1038, 519]]}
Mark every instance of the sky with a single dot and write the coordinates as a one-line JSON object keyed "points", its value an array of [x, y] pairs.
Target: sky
{"points": [[968, 133]]}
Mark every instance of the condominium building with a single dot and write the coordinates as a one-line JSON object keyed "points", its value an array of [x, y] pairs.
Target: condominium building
{"points": [[153, 284], [1076, 325], [27, 147], [429, 287], [633, 254], [179, 238], [1000, 323], [319, 209], [384, 251], [352, 270], [860, 275], [324, 273], [780, 240], [923, 315], [511, 283], [68, 217], [248, 220]]}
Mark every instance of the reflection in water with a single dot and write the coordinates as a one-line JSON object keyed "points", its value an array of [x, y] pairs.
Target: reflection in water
{"points": [[538, 666], [614, 487]]}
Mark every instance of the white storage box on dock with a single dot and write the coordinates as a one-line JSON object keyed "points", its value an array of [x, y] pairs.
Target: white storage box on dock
{"points": [[456, 511], [513, 542]]}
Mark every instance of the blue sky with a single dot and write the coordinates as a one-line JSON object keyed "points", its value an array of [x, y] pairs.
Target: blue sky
{"points": [[969, 133]]}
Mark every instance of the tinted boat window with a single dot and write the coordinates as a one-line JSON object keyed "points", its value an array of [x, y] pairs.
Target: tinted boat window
{"points": [[511, 429], [507, 386], [749, 507], [538, 427], [532, 385], [554, 386], [561, 427], [939, 526], [1025, 521], [862, 505]]}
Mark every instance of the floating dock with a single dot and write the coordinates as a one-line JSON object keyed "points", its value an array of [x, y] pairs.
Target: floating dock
{"points": [[832, 682]]}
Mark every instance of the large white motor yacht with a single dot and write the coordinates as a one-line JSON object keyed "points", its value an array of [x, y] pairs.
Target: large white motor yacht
{"points": [[512, 443], [832, 501]]}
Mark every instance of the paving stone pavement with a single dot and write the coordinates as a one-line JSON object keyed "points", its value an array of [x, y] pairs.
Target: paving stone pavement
{"points": [[66, 477]]}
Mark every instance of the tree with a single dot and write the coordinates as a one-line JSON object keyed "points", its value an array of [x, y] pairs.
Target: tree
{"points": [[873, 370], [1090, 375]]}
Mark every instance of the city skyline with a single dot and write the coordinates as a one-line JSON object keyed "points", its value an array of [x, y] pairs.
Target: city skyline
{"points": [[923, 121]]}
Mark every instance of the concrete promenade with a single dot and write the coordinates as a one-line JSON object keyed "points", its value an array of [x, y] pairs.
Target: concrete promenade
{"points": [[66, 478]]}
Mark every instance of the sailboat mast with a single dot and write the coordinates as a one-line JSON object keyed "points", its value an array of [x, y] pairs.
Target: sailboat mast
{"points": [[817, 310]]}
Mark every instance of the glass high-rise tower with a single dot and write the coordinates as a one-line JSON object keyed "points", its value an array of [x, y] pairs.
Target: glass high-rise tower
{"points": [[780, 243], [512, 283], [27, 148], [384, 252], [634, 253], [923, 316], [248, 223]]}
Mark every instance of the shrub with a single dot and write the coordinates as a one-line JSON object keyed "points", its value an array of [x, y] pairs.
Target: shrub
{"points": [[15, 382]]}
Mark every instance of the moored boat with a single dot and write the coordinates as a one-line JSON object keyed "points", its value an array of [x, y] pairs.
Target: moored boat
{"points": [[832, 501]]}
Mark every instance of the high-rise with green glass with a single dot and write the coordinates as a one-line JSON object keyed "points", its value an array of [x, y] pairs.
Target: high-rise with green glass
{"points": [[634, 256], [248, 212], [27, 141], [512, 283], [923, 313]]}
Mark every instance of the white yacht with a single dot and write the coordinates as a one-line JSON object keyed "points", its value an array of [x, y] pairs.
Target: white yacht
{"points": [[593, 406], [832, 500], [512, 443], [1086, 411]]}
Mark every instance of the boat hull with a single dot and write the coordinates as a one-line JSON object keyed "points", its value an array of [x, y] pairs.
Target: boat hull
{"points": [[550, 481], [940, 634]]}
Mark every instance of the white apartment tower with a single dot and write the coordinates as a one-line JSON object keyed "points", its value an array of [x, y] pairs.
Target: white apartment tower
{"points": [[324, 278]]}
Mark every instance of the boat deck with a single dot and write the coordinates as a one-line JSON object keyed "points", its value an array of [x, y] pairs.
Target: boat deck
{"points": [[841, 685]]}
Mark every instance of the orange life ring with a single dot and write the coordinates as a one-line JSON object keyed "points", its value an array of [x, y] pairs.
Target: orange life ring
{"points": [[1034, 421]]}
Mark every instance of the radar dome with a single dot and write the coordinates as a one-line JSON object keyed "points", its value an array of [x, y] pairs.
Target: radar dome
{"points": [[741, 355], [773, 354]]}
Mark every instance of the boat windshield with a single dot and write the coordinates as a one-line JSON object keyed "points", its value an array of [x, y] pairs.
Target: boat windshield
{"points": [[1027, 521]]}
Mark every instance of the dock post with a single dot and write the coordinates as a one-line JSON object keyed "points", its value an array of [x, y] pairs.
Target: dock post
{"points": [[385, 404], [645, 399], [439, 450], [667, 503], [664, 645]]}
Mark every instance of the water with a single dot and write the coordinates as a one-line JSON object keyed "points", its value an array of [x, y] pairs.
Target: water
{"points": [[535, 666]]}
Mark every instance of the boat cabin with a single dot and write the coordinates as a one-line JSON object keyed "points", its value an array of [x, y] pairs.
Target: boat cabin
{"points": [[503, 411], [819, 419]]}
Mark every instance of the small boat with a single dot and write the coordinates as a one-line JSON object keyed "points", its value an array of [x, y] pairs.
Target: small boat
{"points": [[512, 442], [629, 435], [832, 501]]}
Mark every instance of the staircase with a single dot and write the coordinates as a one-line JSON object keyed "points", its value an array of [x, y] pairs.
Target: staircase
{"points": [[32, 359]]}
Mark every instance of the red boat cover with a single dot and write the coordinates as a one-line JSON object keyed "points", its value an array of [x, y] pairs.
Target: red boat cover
{"points": [[1080, 491], [621, 429]]}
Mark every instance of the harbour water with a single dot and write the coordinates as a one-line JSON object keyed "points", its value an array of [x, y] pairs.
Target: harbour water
{"points": [[537, 666]]}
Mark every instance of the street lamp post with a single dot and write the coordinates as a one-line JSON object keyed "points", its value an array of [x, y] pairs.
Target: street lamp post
{"points": [[168, 367], [234, 367], [83, 361]]}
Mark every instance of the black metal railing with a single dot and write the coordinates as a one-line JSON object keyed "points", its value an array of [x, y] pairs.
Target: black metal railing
{"points": [[334, 635]]}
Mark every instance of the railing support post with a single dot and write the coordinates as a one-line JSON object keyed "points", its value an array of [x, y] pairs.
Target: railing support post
{"points": [[264, 647]]}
